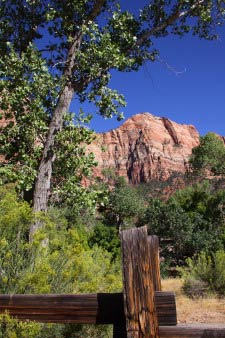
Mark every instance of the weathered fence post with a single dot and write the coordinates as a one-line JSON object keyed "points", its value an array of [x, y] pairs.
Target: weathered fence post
{"points": [[155, 262], [139, 298]]}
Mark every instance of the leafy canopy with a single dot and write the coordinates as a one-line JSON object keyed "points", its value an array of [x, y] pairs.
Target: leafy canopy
{"points": [[209, 155], [192, 219], [54, 51]]}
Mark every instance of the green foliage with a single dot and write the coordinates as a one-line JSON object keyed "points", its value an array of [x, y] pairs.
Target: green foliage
{"points": [[192, 219], [87, 331], [65, 264], [70, 149], [11, 328], [58, 260], [207, 269], [26, 110], [39, 76], [209, 156], [158, 188], [169, 221], [38, 79], [194, 198], [109, 175], [125, 205], [106, 237]]}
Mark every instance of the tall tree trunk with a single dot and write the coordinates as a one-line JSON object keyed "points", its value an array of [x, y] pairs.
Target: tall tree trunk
{"points": [[43, 179]]}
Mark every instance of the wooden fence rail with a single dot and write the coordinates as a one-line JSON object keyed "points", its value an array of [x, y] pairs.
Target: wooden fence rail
{"points": [[100, 308]]}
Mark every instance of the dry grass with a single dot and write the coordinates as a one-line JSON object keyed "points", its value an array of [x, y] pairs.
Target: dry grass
{"points": [[201, 310]]}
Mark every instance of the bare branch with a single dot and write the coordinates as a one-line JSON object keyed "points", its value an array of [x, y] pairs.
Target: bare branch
{"points": [[171, 68]]}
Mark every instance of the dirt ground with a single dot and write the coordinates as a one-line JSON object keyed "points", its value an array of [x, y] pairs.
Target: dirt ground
{"points": [[201, 310]]}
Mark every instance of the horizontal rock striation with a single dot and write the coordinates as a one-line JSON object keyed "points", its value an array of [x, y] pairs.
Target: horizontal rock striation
{"points": [[144, 148]]}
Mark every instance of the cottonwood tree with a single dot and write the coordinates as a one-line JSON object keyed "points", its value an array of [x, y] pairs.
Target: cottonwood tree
{"points": [[77, 43]]}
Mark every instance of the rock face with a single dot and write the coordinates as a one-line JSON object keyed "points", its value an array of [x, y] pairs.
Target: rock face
{"points": [[145, 147]]}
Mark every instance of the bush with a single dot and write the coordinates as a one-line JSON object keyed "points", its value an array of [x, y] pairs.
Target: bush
{"points": [[195, 288], [67, 264], [106, 237], [12, 328], [205, 272]]}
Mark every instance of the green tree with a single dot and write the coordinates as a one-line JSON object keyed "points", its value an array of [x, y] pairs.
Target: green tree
{"points": [[209, 156], [192, 220], [125, 205], [22, 138], [106, 237], [170, 222], [194, 198], [80, 42]]}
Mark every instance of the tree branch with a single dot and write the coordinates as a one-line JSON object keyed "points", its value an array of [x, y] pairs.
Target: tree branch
{"points": [[83, 83], [96, 10], [171, 19]]}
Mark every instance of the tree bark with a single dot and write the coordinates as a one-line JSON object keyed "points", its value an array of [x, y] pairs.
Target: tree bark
{"points": [[43, 179], [42, 185]]}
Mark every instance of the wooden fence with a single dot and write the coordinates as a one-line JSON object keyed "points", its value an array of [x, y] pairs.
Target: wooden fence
{"points": [[141, 311]]}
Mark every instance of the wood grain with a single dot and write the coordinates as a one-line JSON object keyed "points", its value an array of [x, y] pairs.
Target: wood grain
{"points": [[139, 298], [155, 262], [193, 331], [101, 308]]}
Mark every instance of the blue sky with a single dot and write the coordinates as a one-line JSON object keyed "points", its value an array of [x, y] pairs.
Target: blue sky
{"points": [[187, 85]]}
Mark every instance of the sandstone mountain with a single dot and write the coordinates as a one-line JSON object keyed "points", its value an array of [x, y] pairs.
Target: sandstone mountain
{"points": [[145, 147]]}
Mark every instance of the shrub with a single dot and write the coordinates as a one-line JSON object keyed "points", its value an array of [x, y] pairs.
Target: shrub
{"points": [[195, 288], [67, 264], [12, 328], [205, 272], [106, 237]]}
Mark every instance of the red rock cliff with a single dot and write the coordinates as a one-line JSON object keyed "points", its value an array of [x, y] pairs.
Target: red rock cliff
{"points": [[145, 147]]}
